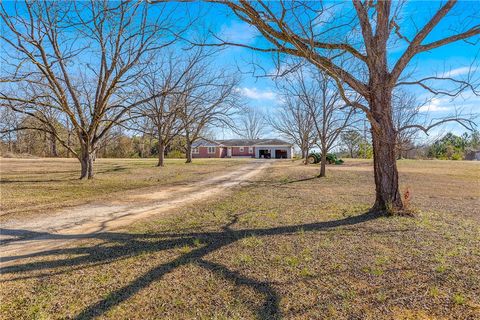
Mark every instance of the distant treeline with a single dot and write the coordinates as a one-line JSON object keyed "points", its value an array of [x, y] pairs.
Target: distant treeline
{"points": [[448, 147], [116, 144]]}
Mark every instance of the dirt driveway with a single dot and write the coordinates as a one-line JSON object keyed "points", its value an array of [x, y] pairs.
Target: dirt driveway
{"points": [[21, 237]]}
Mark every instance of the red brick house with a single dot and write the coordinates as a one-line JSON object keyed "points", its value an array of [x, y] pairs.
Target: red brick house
{"points": [[246, 148]]}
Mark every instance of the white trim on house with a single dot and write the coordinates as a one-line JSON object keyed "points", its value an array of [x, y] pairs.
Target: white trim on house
{"points": [[256, 146], [196, 150], [209, 150], [271, 145], [242, 149]]}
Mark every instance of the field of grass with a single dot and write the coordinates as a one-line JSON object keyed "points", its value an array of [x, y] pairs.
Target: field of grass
{"points": [[288, 246], [40, 185]]}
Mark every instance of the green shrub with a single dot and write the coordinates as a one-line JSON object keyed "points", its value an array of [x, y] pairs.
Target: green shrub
{"points": [[175, 154], [365, 151], [457, 156]]}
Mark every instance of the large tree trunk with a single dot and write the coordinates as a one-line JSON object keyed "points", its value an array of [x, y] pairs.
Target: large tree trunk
{"points": [[53, 146], [388, 196], [323, 163], [189, 152], [46, 148], [86, 161], [161, 153]]}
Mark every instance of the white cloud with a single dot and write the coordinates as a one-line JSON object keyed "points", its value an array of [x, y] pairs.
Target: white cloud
{"points": [[458, 72], [238, 32], [434, 105], [469, 100], [257, 94], [466, 102]]}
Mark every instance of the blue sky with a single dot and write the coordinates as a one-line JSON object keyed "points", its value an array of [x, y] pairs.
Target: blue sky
{"points": [[454, 59], [259, 92]]}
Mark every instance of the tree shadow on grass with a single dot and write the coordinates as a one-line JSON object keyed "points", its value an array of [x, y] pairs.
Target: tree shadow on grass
{"points": [[71, 172], [276, 183], [7, 180], [124, 245]]}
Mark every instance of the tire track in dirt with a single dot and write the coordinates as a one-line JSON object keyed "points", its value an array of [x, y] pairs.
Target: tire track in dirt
{"points": [[20, 238]]}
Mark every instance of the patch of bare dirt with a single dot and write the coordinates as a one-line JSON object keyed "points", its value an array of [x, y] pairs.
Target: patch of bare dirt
{"points": [[23, 236]]}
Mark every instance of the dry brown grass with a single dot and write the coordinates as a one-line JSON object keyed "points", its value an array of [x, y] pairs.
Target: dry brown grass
{"points": [[288, 246], [41, 185]]}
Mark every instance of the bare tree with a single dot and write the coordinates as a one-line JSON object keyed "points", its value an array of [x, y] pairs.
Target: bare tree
{"points": [[351, 140], [144, 141], [9, 122], [405, 111], [363, 33], [251, 123], [330, 114], [80, 59], [167, 76], [209, 98], [295, 122]]}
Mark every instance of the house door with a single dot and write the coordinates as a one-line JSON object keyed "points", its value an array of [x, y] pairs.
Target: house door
{"points": [[229, 152]]}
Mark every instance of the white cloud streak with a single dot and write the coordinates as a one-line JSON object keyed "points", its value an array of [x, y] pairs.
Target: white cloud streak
{"points": [[435, 105], [238, 32], [458, 72], [257, 94]]}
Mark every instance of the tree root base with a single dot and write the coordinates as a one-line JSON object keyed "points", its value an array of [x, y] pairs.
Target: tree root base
{"points": [[405, 212]]}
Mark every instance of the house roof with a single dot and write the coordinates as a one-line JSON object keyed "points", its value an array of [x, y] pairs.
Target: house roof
{"points": [[252, 142], [240, 143], [206, 143]]}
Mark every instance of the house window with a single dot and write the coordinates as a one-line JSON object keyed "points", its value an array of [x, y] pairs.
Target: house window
{"points": [[250, 149], [195, 150], [211, 149], [241, 149]]}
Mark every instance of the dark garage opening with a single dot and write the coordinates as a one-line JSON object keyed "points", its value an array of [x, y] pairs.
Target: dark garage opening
{"points": [[280, 154], [264, 153]]}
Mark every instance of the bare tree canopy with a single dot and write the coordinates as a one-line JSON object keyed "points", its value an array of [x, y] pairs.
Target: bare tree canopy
{"points": [[251, 123], [294, 122], [209, 97], [363, 33], [406, 111], [329, 114], [79, 61], [167, 76]]}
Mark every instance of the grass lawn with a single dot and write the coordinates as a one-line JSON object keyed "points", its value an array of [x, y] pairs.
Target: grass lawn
{"points": [[288, 246], [39, 185]]}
